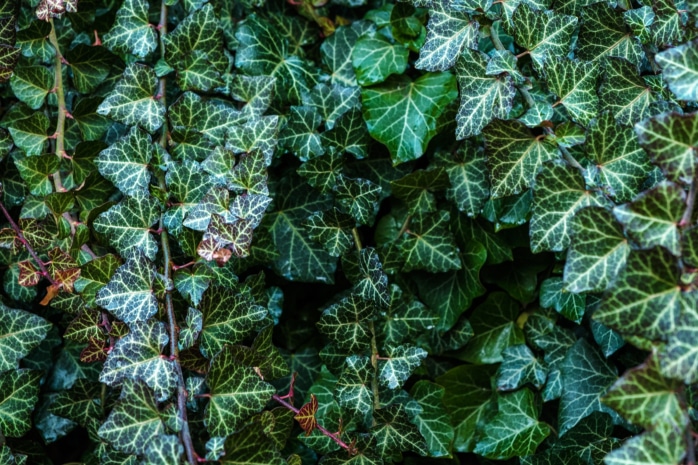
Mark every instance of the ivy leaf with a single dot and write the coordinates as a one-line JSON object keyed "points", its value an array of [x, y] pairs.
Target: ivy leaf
{"points": [[467, 172], [494, 324], [394, 433], [20, 332], [132, 101], [663, 445], [358, 197], [85, 327], [519, 367], [129, 294], [514, 156], [349, 135], [403, 114], [621, 162], [469, 400], [237, 392], [574, 82], [433, 421], [428, 245], [132, 32], [558, 194], [90, 66], [37, 171], [94, 275], [652, 218], [19, 392], [375, 58], [346, 323], [164, 449], [80, 403], [127, 226], [645, 397], [332, 101], [603, 33], [515, 431], [119, 429], [406, 317], [29, 134], [137, 356], [623, 93], [306, 415], [483, 97], [680, 70], [679, 358], [597, 253], [353, 389], [228, 318], [585, 378], [553, 294], [125, 163], [450, 294], [416, 189], [300, 258], [256, 91], [670, 141], [209, 119], [332, 229], [31, 85], [449, 32], [542, 33], [398, 364], [365, 271], [300, 135], [336, 53], [258, 134]]}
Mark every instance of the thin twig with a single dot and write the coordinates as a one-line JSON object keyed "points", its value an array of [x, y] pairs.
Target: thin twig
{"points": [[27, 246], [374, 362], [690, 202], [357, 239], [323, 430], [690, 447]]}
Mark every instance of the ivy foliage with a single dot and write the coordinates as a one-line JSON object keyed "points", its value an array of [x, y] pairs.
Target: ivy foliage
{"points": [[348, 231]]}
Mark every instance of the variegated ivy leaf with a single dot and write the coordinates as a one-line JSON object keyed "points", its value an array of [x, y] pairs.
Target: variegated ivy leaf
{"points": [[581, 395], [670, 140], [449, 31], [516, 430], [80, 403], [652, 218], [349, 135], [622, 164], [394, 433], [494, 324], [215, 202], [553, 294], [519, 367], [514, 156], [300, 134], [623, 93], [467, 173], [263, 50], [228, 318], [603, 33], [406, 318], [136, 402], [663, 445], [666, 28], [597, 252], [211, 119], [558, 194], [544, 34], [125, 163], [236, 392], [428, 244], [679, 358], [416, 189], [85, 327], [353, 389], [574, 83], [127, 226], [137, 356], [398, 363], [129, 294], [433, 421], [90, 66], [645, 397], [19, 392], [403, 114], [332, 101], [256, 91], [256, 442], [164, 448], [94, 275], [29, 134], [132, 32], [257, 134], [20, 332], [187, 184], [482, 97], [336, 53], [365, 271], [358, 197], [374, 58], [346, 323], [680, 70], [133, 100]]}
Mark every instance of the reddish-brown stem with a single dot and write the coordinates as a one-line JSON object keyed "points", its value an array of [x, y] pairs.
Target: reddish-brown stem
{"points": [[690, 203], [179, 267], [323, 430], [27, 246], [522, 54], [690, 447]]}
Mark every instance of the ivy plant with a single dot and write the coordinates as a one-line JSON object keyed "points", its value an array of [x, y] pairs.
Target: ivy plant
{"points": [[348, 231]]}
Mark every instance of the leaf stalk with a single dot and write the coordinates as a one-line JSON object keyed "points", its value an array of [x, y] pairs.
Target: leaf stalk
{"points": [[62, 110]]}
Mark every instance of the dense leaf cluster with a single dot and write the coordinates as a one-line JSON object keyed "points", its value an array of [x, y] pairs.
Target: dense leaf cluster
{"points": [[348, 231]]}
